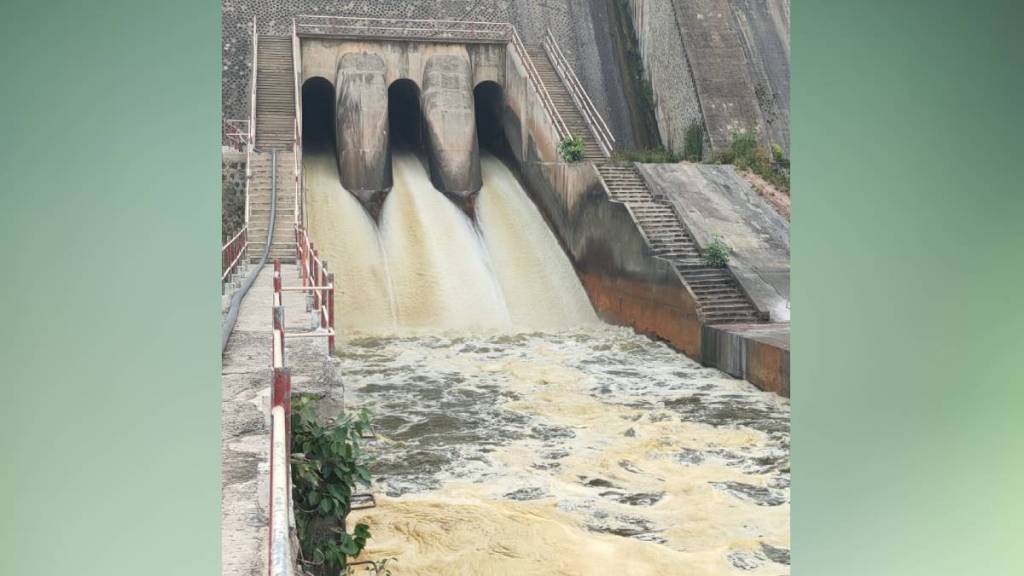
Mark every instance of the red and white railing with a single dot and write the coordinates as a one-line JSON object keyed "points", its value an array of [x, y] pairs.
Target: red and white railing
{"points": [[232, 253], [236, 134], [579, 95], [318, 281], [279, 549]]}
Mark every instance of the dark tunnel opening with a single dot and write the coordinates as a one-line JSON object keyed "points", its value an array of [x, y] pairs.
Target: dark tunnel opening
{"points": [[489, 101], [405, 121], [318, 115]]}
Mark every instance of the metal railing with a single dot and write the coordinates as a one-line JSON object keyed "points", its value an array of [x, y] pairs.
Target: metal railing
{"points": [[404, 29], [297, 132], [252, 121], [236, 134], [579, 95], [317, 280], [252, 92], [232, 253], [545, 98], [280, 443]]}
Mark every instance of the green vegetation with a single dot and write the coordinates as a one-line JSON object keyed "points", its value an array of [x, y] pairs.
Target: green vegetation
{"points": [[693, 142], [327, 465], [716, 254], [657, 155], [571, 148], [747, 154]]}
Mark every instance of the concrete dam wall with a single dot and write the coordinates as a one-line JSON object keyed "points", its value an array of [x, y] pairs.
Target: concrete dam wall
{"points": [[410, 95]]}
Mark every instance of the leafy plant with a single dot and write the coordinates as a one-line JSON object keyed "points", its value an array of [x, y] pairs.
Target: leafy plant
{"points": [[716, 254], [777, 153], [327, 466], [747, 154], [571, 148]]}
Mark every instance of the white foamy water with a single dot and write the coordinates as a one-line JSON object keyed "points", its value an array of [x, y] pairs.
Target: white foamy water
{"points": [[540, 286], [429, 268], [347, 238]]}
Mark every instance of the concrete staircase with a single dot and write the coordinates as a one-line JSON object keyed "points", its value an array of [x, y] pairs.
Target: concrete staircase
{"points": [[275, 93], [718, 295], [564, 103], [283, 243]]}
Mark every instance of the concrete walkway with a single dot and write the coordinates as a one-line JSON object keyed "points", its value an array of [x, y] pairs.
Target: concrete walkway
{"points": [[245, 434]]}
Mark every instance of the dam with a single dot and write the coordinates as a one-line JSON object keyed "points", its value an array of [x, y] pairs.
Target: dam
{"points": [[538, 366]]}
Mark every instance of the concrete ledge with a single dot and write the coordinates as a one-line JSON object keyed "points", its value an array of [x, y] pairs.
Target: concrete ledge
{"points": [[758, 353]]}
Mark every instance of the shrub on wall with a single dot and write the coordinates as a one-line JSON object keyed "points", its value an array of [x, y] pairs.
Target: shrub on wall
{"points": [[747, 154], [716, 254], [571, 148], [327, 465]]}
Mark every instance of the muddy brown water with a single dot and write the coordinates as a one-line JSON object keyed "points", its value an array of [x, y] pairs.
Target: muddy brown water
{"points": [[516, 433]]}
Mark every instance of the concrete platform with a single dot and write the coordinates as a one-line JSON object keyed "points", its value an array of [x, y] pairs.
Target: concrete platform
{"points": [[245, 428]]}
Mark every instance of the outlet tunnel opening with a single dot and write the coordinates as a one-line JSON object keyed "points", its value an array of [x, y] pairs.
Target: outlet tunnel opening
{"points": [[489, 103], [318, 115], [405, 119]]}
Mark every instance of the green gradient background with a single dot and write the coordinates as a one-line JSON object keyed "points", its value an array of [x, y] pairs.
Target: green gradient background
{"points": [[907, 238], [109, 176], [908, 280]]}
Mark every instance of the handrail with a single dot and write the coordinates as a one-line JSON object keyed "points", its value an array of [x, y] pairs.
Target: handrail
{"points": [[236, 133], [252, 94], [297, 135], [579, 94], [279, 526], [315, 277], [545, 97], [232, 253]]}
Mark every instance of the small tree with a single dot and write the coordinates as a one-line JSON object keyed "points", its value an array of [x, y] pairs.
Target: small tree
{"points": [[716, 254], [571, 148], [327, 465]]}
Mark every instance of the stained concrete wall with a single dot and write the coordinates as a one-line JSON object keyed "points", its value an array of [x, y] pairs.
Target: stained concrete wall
{"points": [[723, 62], [445, 74], [763, 27], [663, 56], [361, 119], [452, 148], [715, 199]]}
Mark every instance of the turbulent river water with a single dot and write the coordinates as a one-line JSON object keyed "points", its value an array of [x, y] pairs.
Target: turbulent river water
{"points": [[517, 433]]}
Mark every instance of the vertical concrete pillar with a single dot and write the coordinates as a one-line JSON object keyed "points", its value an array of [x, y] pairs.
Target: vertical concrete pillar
{"points": [[362, 128], [451, 125]]}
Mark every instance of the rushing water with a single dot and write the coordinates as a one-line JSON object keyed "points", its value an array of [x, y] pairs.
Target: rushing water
{"points": [[519, 435]]}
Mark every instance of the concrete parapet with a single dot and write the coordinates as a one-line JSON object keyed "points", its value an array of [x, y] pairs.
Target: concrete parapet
{"points": [[361, 124], [451, 125]]}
